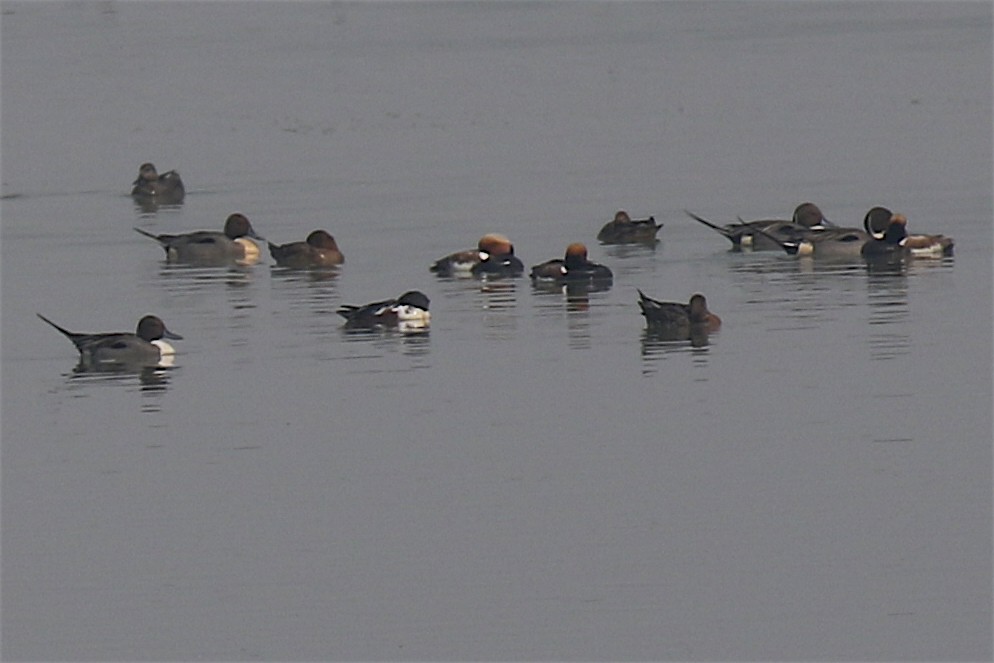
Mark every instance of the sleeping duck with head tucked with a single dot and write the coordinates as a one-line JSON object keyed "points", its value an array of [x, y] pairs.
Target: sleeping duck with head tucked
{"points": [[624, 230], [407, 313]]}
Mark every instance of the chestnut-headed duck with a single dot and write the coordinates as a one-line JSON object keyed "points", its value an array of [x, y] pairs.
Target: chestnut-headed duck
{"points": [[573, 267], [493, 256], [319, 250]]}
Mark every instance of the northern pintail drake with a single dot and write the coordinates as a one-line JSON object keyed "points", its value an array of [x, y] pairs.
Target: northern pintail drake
{"points": [[211, 247], [409, 312], [829, 243], [767, 235], [895, 241], [493, 256], [150, 186], [573, 267], [680, 319], [145, 347], [318, 250], [624, 230]]}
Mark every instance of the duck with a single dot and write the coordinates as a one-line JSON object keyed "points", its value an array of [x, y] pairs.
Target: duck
{"points": [[409, 312], [318, 250], [493, 256], [145, 347], [210, 247], [880, 219], [682, 320], [573, 267], [829, 243], [896, 242], [623, 230], [150, 186], [763, 235]]}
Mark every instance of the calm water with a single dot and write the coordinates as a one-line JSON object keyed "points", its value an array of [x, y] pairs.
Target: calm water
{"points": [[536, 479]]}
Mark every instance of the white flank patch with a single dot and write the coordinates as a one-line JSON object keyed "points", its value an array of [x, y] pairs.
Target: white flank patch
{"points": [[412, 314], [933, 250]]}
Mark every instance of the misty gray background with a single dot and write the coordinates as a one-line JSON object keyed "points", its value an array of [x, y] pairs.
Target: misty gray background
{"points": [[536, 479]]}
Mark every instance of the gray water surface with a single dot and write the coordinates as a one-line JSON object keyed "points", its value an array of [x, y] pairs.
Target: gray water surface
{"points": [[537, 478]]}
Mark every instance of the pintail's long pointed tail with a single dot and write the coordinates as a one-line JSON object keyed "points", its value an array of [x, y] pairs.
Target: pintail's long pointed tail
{"points": [[707, 223], [148, 234], [68, 334], [791, 248]]}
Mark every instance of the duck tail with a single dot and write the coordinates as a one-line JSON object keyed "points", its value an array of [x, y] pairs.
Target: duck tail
{"points": [[148, 234], [68, 334], [791, 248], [707, 223]]}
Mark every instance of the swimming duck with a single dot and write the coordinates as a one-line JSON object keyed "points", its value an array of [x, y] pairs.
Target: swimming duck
{"points": [[493, 256], [829, 243], [150, 186], [409, 312], [680, 319], [896, 242], [759, 235], [144, 347], [574, 267], [919, 244], [319, 250], [623, 230], [210, 247]]}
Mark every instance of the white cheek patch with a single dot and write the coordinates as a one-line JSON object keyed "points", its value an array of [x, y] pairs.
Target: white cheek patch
{"points": [[484, 255]]}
